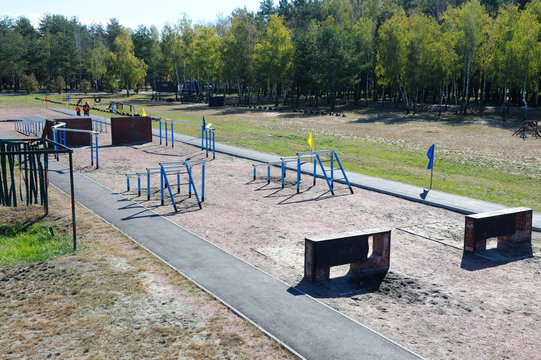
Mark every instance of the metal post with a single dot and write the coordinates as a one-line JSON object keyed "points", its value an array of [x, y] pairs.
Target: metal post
{"points": [[283, 173], [73, 202], [172, 136], [207, 142], [268, 173], [332, 170], [165, 132], [46, 182], [254, 170], [213, 145], [127, 182], [138, 185], [91, 150], [97, 160], [148, 184], [298, 173], [315, 171], [178, 183], [202, 132], [160, 131], [203, 183], [161, 184]]}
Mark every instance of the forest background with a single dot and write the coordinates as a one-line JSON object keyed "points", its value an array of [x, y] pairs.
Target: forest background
{"points": [[445, 52]]}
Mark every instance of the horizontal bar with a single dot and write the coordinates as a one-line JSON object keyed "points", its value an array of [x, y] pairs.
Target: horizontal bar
{"points": [[313, 153]]}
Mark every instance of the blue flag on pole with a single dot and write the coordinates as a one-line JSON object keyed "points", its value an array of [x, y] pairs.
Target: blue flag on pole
{"points": [[430, 155]]}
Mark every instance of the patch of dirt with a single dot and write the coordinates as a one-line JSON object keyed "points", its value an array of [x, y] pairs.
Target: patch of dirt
{"points": [[436, 300]]}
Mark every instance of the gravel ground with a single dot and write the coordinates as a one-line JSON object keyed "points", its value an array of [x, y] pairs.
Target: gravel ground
{"points": [[436, 300]]}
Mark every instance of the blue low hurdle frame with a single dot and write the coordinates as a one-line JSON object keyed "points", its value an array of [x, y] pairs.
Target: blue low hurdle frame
{"points": [[29, 126], [164, 182], [318, 157], [59, 136]]}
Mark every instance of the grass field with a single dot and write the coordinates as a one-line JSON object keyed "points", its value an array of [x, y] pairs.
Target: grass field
{"points": [[508, 180]]}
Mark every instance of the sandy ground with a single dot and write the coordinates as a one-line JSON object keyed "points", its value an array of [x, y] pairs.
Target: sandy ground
{"points": [[436, 300]]}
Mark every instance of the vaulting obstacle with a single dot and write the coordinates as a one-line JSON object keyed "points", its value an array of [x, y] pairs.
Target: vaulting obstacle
{"points": [[172, 168], [318, 158]]}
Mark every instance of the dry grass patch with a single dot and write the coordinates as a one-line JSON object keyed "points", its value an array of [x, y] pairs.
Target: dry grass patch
{"points": [[111, 299]]}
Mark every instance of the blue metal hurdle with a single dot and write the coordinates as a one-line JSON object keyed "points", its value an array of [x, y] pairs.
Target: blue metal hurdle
{"points": [[318, 157], [175, 168]]}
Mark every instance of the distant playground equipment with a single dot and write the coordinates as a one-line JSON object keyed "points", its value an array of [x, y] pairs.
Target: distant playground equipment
{"points": [[172, 168], [31, 156], [318, 157], [530, 125]]}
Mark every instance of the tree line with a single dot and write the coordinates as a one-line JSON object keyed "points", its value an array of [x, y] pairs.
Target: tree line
{"points": [[443, 52]]}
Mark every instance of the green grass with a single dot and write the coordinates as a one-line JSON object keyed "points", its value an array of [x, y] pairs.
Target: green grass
{"points": [[21, 243]]}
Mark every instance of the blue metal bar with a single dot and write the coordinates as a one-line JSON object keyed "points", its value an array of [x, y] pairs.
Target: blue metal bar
{"points": [[283, 173], [254, 171], [148, 184], [178, 183], [332, 170], [127, 182], [213, 145], [161, 183], [202, 132], [344, 174], [324, 173], [207, 142], [315, 172], [298, 173], [97, 160], [268, 174], [138, 185], [172, 136], [193, 185], [160, 131], [91, 150], [165, 132], [164, 177], [203, 183]]}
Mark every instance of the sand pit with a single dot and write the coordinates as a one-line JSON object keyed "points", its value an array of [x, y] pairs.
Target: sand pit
{"points": [[436, 300]]}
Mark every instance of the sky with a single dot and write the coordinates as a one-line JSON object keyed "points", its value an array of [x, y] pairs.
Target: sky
{"points": [[129, 13]]}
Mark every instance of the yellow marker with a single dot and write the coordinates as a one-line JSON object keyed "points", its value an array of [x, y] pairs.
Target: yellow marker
{"points": [[310, 141], [143, 113]]}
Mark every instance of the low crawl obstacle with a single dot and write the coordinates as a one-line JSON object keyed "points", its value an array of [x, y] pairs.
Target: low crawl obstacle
{"points": [[318, 158], [172, 168]]}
